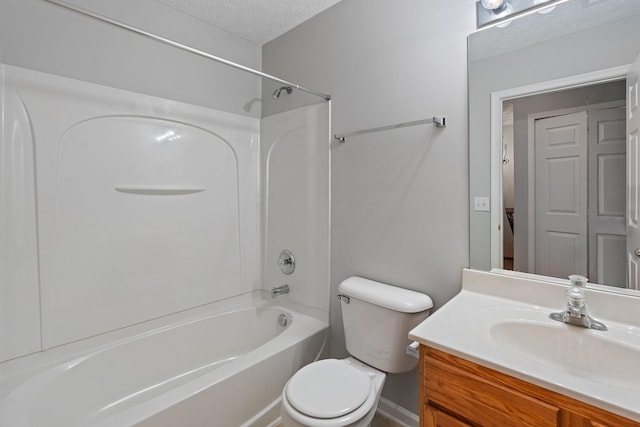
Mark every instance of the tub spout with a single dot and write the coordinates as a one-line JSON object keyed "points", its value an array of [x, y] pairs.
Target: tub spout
{"points": [[279, 290]]}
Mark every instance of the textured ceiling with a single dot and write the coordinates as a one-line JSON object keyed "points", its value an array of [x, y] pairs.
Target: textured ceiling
{"points": [[259, 21], [566, 18]]}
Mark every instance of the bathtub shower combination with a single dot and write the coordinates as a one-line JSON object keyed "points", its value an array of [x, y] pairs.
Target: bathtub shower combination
{"points": [[133, 290], [188, 373]]}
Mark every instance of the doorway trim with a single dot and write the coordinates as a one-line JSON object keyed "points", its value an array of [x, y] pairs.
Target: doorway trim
{"points": [[497, 98]]}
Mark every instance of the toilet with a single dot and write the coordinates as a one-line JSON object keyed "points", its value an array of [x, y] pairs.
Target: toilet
{"points": [[336, 393]]}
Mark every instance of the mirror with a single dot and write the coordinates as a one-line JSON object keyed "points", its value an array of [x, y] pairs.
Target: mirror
{"points": [[581, 47]]}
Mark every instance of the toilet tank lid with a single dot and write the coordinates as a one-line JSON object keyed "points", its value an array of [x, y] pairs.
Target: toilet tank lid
{"points": [[384, 295]]}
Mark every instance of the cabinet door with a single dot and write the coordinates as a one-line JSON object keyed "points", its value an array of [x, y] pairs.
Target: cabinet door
{"points": [[571, 419], [485, 402], [436, 418], [484, 397]]}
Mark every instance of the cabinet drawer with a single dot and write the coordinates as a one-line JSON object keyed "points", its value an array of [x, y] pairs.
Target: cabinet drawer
{"points": [[486, 403]]}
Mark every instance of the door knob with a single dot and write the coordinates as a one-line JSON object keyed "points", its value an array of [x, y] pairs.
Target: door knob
{"points": [[637, 252]]}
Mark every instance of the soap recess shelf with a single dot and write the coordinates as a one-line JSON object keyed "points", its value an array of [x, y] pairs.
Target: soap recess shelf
{"points": [[157, 190]]}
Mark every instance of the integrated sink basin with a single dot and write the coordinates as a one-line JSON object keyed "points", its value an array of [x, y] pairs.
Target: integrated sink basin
{"points": [[502, 322], [605, 357]]}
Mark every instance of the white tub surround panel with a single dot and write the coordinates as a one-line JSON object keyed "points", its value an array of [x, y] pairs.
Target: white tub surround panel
{"points": [[295, 175], [18, 240], [145, 206]]}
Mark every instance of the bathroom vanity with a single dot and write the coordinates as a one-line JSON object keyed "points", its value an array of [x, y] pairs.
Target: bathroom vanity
{"points": [[492, 356], [457, 392]]}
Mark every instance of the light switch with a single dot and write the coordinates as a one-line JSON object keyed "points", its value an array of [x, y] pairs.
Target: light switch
{"points": [[481, 204]]}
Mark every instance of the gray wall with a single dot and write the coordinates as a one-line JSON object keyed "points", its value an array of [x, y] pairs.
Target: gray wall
{"points": [[44, 37], [594, 49], [399, 198]]}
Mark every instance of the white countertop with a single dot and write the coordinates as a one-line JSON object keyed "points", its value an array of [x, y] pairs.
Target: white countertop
{"points": [[463, 328]]}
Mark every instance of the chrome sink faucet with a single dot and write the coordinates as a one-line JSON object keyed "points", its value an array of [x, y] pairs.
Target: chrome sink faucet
{"points": [[576, 311], [279, 290]]}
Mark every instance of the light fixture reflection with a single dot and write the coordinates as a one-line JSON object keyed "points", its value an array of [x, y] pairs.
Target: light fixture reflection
{"points": [[544, 10], [510, 10], [167, 136], [496, 6]]}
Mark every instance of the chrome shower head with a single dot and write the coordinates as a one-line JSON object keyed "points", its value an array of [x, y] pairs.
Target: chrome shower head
{"points": [[277, 92]]}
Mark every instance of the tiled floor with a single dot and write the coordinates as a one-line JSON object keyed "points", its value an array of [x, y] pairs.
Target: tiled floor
{"points": [[380, 420]]}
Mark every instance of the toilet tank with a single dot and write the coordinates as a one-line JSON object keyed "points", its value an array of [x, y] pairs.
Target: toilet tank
{"points": [[377, 319]]}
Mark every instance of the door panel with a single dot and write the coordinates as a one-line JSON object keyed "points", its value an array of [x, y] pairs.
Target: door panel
{"points": [[607, 196], [610, 254], [561, 195], [633, 124], [562, 185], [561, 253]]}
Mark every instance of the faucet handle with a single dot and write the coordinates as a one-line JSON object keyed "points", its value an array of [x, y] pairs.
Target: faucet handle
{"points": [[578, 280], [575, 293], [286, 262], [577, 297]]}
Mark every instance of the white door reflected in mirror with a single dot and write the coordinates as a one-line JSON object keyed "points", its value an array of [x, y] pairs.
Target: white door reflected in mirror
{"points": [[564, 191], [633, 174]]}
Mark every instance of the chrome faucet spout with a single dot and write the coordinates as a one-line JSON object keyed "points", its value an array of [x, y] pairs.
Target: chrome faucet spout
{"points": [[279, 290], [576, 311], [582, 320]]}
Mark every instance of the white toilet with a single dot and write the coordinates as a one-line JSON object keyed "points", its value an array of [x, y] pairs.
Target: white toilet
{"points": [[336, 393]]}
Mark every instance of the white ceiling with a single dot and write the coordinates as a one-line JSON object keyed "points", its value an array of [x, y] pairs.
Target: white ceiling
{"points": [[259, 21]]}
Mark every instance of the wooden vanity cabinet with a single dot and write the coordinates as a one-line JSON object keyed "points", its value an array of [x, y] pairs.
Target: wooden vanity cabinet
{"points": [[455, 392]]}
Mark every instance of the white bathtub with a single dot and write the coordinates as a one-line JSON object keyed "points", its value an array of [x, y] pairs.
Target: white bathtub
{"points": [[221, 369]]}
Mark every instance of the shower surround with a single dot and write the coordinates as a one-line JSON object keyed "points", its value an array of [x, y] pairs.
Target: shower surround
{"points": [[120, 209]]}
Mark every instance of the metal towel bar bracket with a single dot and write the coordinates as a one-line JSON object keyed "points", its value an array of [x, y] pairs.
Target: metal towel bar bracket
{"points": [[439, 121]]}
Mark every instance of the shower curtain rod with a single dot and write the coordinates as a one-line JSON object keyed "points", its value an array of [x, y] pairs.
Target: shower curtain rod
{"points": [[170, 42]]}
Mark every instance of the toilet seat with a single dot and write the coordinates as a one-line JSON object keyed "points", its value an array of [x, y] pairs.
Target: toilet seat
{"points": [[329, 393], [328, 389]]}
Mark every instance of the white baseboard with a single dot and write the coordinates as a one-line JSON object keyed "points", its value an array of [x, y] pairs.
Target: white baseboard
{"points": [[397, 413]]}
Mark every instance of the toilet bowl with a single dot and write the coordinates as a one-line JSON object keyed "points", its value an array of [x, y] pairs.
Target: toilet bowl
{"points": [[344, 393], [332, 393]]}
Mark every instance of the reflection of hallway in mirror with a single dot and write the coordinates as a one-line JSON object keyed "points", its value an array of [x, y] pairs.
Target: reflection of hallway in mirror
{"points": [[507, 263], [507, 186], [548, 194]]}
